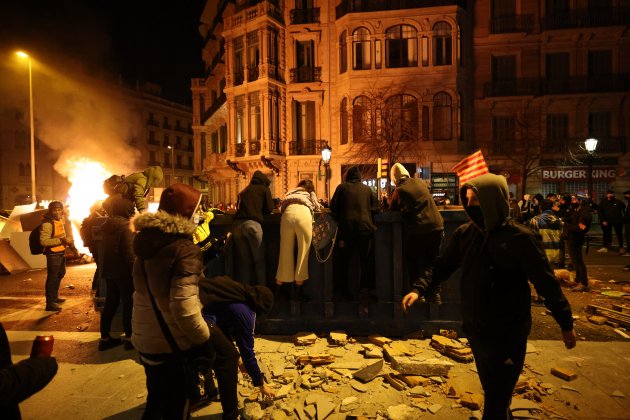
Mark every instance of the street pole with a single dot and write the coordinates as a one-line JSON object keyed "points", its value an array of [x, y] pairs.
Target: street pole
{"points": [[172, 164], [589, 178], [30, 97], [326, 178]]}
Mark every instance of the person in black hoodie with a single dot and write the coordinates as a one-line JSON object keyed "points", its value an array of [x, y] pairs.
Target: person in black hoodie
{"points": [[118, 258], [352, 205], [253, 202], [497, 257], [610, 213], [577, 226], [21, 380]]}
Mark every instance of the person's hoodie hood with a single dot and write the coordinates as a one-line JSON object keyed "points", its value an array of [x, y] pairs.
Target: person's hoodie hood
{"points": [[154, 176], [398, 173], [156, 230], [260, 179], [492, 192], [353, 174]]}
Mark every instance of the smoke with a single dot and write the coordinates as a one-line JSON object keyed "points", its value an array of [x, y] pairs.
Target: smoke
{"points": [[76, 115]]}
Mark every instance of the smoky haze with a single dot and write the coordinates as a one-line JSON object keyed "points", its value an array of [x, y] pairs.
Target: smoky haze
{"points": [[76, 115]]}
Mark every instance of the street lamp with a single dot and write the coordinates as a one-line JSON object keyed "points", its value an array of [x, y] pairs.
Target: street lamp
{"points": [[590, 145], [22, 54], [172, 149], [326, 154]]}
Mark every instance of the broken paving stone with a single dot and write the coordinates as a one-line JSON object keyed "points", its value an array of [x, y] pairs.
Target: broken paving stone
{"points": [[597, 320], [358, 386], [379, 340], [414, 380], [417, 391], [452, 392], [434, 408], [339, 338], [353, 365], [452, 348], [310, 411], [284, 391], [437, 379], [396, 348], [330, 389], [531, 348], [475, 415], [253, 411], [305, 338], [418, 366], [523, 404], [472, 401], [369, 372], [277, 371], [349, 404], [402, 412], [452, 334], [562, 373], [569, 388], [325, 406], [618, 394], [316, 359], [396, 383]]}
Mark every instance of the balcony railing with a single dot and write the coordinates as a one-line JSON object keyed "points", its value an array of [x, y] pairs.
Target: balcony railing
{"points": [[583, 18], [214, 107], [588, 84], [252, 73], [240, 149], [510, 24], [306, 74], [275, 147], [357, 6], [516, 87], [153, 122], [254, 147], [306, 147], [302, 16], [239, 77]]}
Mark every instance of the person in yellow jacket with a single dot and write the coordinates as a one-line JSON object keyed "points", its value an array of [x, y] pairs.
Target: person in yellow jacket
{"points": [[54, 242]]}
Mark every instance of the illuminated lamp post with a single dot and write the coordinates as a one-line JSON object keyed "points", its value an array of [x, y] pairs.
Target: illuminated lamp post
{"points": [[590, 145], [326, 155], [172, 149], [22, 54]]}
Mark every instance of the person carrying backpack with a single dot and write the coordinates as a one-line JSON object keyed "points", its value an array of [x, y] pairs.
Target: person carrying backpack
{"points": [[134, 187], [54, 242]]}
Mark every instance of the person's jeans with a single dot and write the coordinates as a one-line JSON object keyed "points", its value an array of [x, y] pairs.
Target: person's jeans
{"points": [[607, 234], [420, 252], [249, 266], [118, 288], [226, 369], [499, 364], [55, 269], [364, 245], [577, 259]]}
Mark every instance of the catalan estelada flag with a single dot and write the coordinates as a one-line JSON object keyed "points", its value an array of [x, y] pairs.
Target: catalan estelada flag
{"points": [[470, 167]]}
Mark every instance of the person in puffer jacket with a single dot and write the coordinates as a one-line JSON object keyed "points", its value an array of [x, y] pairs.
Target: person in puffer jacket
{"points": [[168, 267], [549, 227], [497, 256]]}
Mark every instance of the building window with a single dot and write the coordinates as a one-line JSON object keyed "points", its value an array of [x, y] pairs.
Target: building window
{"points": [[378, 54], [274, 117], [442, 117], [152, 160], [253, 56], [240, 108], [425, 51], [557, 131], [303, 121], [425, 123], [557, 66], [599, 125], [239, 61], [504, 68], [361, 120], [600, 63], [204, 146], [503, 129], [254, 117], [343, 121], [214, 142], [223, 139], [361, 59], [503, 8], [401, 46], [152, 137], [343, 53], [442, 44], [273, 47], [402, 115]]}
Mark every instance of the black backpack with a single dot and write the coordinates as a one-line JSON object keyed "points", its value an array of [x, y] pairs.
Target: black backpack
{"points": [[34, 243], [114, 184]]}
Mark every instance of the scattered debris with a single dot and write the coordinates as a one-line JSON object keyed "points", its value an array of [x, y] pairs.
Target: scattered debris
{"points": [[369, 372], [618, 394], [597, 320], [611, 314], [621, 333], [379, 340], [394, 382], [563, 373], [472, 401], [338, 338], [452, 348], [420, 366], [305, 339], [568, 388]]}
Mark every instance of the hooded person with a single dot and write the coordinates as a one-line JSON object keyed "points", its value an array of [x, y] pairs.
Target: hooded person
{"points": [[497, 256], [234, 306], [136, 187], [423, 224], [577, 224], [166, 274], [253, 203], [353, 205]]}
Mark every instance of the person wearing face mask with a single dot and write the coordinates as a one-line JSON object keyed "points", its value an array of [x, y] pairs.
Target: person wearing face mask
{"points": [[611, 213], [497, 256], [577, 225]]}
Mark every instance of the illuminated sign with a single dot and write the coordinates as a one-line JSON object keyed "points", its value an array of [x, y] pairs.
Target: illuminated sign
{"points": [[578, 174]]}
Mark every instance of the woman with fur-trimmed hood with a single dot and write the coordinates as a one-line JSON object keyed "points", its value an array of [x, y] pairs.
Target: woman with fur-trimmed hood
{"points": [[168, 267]]}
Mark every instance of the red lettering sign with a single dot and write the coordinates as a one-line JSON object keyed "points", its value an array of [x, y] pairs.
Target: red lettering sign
{"points": [[578, 174]]}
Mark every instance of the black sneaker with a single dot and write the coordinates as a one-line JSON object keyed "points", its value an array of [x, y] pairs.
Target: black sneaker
{"points": [[52, 307], [60, 300], [108, 343]]}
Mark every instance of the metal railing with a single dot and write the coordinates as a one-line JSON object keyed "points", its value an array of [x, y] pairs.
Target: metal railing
{"points": [[252, 73], [583, 18], [568, 85], [240, 149], [510, 24], [302, 16], [275, 147], [306, 147], [516, 87], [358, 6], [306, 74]]}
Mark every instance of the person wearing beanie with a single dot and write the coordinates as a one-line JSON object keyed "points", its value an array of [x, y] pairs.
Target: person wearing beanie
{"points": [[233, 306], [611, 215], [253, 203], [52, 236], [166, 273], [423, 225], [352, 205], [577, 226], [496, 257], [117, 265]]}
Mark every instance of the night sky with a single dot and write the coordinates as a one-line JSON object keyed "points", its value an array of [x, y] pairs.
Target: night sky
{"points": [[156, 41]]}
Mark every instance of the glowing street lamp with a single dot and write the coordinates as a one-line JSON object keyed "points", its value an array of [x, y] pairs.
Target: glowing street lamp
{"points": [[326, 155], [590, 145], [172, 149], [22, 54]]}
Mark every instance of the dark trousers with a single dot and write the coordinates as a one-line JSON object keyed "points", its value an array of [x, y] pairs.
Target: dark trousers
{"points": [[607, 232], [364, 245], [166, 385], [249, 264], [420, 252], [118, 288], [577, 259], [97, 273], [499, 364], [55, 270]]}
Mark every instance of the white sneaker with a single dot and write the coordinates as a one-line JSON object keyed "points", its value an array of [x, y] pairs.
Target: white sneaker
{"points": [[602, 249]]}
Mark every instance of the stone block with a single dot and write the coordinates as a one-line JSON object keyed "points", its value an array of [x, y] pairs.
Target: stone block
{"points": [[562, 373], [417, 366]]}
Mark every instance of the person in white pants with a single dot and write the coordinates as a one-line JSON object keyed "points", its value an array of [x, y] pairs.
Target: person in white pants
{"points": [[296, 222]]}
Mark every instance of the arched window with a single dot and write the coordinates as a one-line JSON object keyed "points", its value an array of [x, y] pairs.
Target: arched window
{"points": [[361, 59], [442, 116], [442, 44], [402, 118], [361, 120], [401, 46], [343, 53], [343, 121]]}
